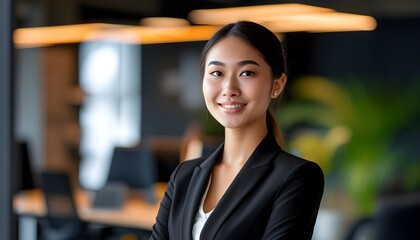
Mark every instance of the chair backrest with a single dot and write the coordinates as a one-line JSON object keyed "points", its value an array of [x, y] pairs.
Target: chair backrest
{"points": [[398, 217], [58, 194]]}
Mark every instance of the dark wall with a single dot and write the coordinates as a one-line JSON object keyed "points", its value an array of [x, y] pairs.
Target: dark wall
{"points": [[171, 88], [389, 52]]}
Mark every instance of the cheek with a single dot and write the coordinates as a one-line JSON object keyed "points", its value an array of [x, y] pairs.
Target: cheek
{"points": [[260, 91], [209, 90]]}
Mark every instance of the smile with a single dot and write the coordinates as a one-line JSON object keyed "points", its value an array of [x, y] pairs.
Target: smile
{"points": [[232, 106]]}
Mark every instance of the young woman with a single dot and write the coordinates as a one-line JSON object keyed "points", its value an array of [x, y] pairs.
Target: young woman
{"points": [[249, 188]]}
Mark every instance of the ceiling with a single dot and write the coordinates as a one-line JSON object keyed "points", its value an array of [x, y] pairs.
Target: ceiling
{"points": [[180, 8], [53, 12]]}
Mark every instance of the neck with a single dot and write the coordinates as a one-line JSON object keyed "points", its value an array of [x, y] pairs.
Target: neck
{"points": [[240, 144]]}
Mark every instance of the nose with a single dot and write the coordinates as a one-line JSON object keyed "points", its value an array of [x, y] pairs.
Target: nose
{"points": [[231, 87]]}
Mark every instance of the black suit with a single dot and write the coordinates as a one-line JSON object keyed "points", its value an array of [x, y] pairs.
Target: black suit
{"points": [[275, 196]]}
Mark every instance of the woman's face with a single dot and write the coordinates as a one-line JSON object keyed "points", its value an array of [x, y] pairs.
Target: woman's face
{"points": [[238, 84]]}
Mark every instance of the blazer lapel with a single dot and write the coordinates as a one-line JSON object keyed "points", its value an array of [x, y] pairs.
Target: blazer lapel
{"points": [[254, 169], [196, 189]]}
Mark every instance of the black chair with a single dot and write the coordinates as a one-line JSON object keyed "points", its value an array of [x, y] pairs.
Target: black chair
{"points": [[396, 217], [61, 221]]}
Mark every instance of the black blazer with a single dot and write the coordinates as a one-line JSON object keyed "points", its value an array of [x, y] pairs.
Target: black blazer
{"points": [[275, 196]]}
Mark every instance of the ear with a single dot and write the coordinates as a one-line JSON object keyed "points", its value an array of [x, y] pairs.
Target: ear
{"points": [[278, 86]]}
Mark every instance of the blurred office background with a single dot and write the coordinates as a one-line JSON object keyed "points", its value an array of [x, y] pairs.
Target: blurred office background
{"points": [[351, 104]]}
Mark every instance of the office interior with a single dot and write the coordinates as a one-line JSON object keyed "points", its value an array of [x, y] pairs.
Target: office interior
{"points": [[351, 104]]}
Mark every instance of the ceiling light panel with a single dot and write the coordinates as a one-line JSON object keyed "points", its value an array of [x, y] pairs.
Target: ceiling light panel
{"points": [[223, 16]]}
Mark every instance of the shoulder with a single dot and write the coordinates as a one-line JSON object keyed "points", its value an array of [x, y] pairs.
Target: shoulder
{"points": [[291, 161], [269, 153], [294, 167], [187, 167]]}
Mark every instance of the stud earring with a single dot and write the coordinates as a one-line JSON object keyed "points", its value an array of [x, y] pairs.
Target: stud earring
{"points": [[275, 94]]}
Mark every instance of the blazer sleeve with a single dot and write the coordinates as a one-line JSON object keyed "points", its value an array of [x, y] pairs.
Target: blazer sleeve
{"points": [[160, 228], [296, 205]]}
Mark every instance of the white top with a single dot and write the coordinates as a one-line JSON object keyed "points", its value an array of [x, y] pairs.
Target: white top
{"points": [[201, 217]]}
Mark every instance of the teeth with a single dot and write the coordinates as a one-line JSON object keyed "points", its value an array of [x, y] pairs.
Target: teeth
{"points": [[233, 106]]}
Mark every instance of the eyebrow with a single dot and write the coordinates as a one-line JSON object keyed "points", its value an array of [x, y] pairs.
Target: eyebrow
{"points": [[241, 63]]}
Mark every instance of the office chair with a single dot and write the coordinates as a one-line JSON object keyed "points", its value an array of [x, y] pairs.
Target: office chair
{"points": [[61, 221], [398, 218], [395, 218], [135, 167]]}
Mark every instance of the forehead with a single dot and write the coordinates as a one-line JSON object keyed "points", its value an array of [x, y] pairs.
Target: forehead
{"points": [[233, 49]]}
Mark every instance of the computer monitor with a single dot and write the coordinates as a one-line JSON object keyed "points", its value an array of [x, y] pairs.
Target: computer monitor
{"points": [[134, 166]]}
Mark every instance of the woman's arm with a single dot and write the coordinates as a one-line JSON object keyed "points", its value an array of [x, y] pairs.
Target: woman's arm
{"points": [[297, 203], [160, 228]]}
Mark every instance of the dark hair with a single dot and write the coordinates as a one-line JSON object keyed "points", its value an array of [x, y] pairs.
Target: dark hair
{"points": [[271, 49]]}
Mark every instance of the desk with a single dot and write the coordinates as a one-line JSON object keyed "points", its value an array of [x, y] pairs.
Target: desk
{"points": [[136, 212]]}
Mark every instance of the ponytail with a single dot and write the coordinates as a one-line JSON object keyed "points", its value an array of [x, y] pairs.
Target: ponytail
{"points": [[274, 128]]}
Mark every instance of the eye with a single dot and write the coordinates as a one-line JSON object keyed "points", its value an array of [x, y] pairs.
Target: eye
{"points": [[247, 73], [216, 73]]}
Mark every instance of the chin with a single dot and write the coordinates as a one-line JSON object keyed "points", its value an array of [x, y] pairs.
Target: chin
{"points": [[231, 125]]}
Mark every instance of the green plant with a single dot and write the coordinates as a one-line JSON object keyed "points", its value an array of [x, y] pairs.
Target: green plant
{"points": [[351, 129]]}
